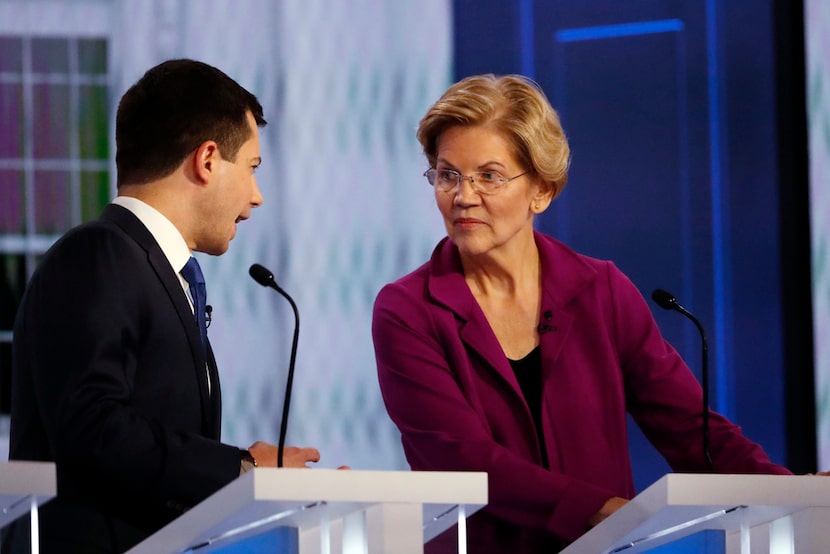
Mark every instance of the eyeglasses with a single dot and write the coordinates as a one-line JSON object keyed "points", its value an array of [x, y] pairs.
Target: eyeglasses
{"points": [[483, 182]]}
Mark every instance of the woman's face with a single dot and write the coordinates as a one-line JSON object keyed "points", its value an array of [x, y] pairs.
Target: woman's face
{"points": [[486, 224]]}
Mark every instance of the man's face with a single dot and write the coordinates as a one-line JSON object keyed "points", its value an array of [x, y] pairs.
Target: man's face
{"points": [[231, 195]]}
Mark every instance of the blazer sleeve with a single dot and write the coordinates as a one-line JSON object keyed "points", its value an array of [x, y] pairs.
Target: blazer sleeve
{"points": [[665, 398], [441, 428]]}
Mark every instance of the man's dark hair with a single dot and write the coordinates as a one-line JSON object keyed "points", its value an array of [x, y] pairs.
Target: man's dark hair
{"points": [[175, 107]]}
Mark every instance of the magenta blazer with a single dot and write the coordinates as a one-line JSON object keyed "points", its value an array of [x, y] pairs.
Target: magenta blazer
{"points": [[451, 391]]}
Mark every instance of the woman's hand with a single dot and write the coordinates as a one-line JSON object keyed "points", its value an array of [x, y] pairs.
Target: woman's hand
{"points": [[611, 505]]}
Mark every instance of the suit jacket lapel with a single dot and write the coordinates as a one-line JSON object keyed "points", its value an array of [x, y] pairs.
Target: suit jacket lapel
{"points": [[215, 425], [161, 266]]}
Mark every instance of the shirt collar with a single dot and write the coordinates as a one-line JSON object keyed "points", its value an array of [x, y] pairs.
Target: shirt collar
{"points": [[167, 236]]}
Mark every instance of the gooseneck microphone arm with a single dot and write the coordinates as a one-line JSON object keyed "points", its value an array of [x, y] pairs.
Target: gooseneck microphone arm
{"points": [[667, 301], [266, 279]]}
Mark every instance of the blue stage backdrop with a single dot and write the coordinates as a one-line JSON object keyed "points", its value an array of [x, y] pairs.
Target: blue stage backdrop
{"points": [[670, 112]]}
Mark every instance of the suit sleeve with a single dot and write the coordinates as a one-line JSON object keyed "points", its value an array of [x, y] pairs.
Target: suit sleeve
{"points": [[87, 327], [442, 430]]}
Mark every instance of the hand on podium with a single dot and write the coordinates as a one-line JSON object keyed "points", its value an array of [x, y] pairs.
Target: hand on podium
{"points": [[265, 455], [611, 505]]}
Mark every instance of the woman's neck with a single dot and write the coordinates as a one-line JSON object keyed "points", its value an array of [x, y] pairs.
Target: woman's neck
{"points": [[510, 274]]}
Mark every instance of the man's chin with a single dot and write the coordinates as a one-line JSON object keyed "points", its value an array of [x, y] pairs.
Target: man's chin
{"points": [[215, 249]]}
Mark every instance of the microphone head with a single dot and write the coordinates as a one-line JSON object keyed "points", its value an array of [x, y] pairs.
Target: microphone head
{"points": [[262, 276], [665, 300]]}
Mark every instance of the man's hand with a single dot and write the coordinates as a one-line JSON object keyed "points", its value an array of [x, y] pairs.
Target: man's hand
{"points": [[265, 455]]}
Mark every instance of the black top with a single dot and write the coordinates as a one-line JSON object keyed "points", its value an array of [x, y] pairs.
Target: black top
{"points": [[528, 372]]}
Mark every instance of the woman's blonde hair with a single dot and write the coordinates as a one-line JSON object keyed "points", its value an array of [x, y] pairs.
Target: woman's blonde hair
{"points": [[513, 105]]}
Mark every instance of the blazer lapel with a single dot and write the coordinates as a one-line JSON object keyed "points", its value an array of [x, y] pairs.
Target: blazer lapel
{"points": [[565, 276], [161, 266], [447, 287]]}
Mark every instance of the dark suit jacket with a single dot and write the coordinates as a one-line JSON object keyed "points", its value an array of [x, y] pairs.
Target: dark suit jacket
{"points": [[450, 389], [109, 382]]}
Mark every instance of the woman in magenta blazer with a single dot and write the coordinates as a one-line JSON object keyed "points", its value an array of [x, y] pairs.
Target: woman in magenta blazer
{"points": [[509, 353]]}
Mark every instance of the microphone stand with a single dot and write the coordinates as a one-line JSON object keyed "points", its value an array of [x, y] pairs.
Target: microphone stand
{"points": [[667, 301], [266, 279]]}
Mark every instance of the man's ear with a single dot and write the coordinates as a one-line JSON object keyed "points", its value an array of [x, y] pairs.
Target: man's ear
{"points": [[205, 160]]}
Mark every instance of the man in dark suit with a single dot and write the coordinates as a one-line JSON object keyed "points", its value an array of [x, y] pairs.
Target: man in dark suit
{"points": [[112, 379]]}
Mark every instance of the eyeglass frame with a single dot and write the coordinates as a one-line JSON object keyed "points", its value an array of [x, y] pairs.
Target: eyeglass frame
{"points": [[460, 177]]}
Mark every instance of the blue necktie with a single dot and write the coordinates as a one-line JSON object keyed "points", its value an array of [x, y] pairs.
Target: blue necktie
{"points": [[192, 273]]}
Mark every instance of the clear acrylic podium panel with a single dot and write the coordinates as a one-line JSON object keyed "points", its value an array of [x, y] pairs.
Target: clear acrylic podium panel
{"points": [[759, 514], [379, 511], [24, 486]]}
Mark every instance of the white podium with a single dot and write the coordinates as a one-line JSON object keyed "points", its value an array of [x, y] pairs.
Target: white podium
{"points": [[761, 514], [23, 487], [334, 511]]}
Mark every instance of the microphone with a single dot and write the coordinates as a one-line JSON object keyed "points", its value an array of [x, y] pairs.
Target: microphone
{"points": [[667, 301], [266, 279], [545, 326]]}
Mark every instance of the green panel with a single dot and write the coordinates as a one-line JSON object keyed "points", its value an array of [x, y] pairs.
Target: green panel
{"points": [[92, 117], [94, 193]]}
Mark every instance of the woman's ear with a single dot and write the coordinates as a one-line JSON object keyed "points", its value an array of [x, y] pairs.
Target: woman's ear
{"points": [[542, 199]]}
